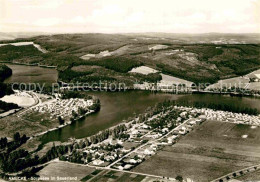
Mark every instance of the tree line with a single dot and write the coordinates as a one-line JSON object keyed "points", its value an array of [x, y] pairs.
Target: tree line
{"points": [[14, 144], [5, 72], [8, 106]]}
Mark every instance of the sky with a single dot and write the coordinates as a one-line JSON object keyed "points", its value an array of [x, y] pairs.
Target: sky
{"points": [[130, 16]]}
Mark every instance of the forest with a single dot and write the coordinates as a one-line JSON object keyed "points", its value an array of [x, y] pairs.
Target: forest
{"points": [[197, 62]]}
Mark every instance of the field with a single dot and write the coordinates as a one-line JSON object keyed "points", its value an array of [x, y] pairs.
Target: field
{"points": [[254, 176], [21, 101], [65, 169], [117, 176], [168, 80], [241, 82], [27, 124], [84, 173], [208, 152], [143, 70]]}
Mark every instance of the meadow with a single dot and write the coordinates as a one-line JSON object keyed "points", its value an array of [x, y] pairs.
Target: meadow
{"points": [[208, 152]]}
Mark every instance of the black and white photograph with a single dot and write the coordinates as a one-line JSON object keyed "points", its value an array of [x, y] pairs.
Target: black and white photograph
{"points": [[130, 90]]}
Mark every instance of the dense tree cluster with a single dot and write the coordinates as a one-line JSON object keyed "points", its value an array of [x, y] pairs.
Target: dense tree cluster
{"points": [[5, 89], [5, 72], [68, 75], [230, 59], [71, 76], [10, 52], [165, 121], [184, 74], [74, 155], [3, 142], [118, 64], [151, 78], [17, 142], [22, 159], [10, 161], [204, 52], [123, 136], [28, 173], [77, 157], [118, 131], [54, 152], [9, 155], [99, 137], [110, 147], [8, 106], [115, 132], [31, 172], [96, 105], [102, 77], [217, 62], [20, 163]]}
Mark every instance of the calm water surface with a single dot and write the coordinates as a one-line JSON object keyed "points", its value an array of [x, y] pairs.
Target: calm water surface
{"points": [[32, 74], [115, 106], [118, 106]]}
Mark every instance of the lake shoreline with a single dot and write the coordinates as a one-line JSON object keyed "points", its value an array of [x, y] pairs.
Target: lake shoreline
{"points": [[62, 126], [28, 64], [232, 94]]}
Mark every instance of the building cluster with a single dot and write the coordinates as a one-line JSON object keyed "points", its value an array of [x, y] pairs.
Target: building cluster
{"points": [[226, 116], [63, 108], [164, 86], [142, 142], [142, 139], [104, 153]]}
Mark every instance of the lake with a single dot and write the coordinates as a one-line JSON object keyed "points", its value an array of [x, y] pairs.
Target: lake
{"points": [[31, 74], [117, 106]]}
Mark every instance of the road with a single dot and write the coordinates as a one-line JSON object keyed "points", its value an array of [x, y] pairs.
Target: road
{"points": [[39, 102], [150, 142], [135, 150], [230, 175]]}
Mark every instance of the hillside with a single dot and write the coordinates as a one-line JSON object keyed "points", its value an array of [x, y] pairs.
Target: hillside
{"points": [[16, 35], [197, 58]]}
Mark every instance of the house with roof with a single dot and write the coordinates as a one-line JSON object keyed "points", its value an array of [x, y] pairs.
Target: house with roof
{"points": [[149, 152], [98, 162], [254, 78]]}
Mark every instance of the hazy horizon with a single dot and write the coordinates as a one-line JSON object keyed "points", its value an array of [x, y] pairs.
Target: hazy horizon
{"points": [[114, 16], [34, 32]]}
